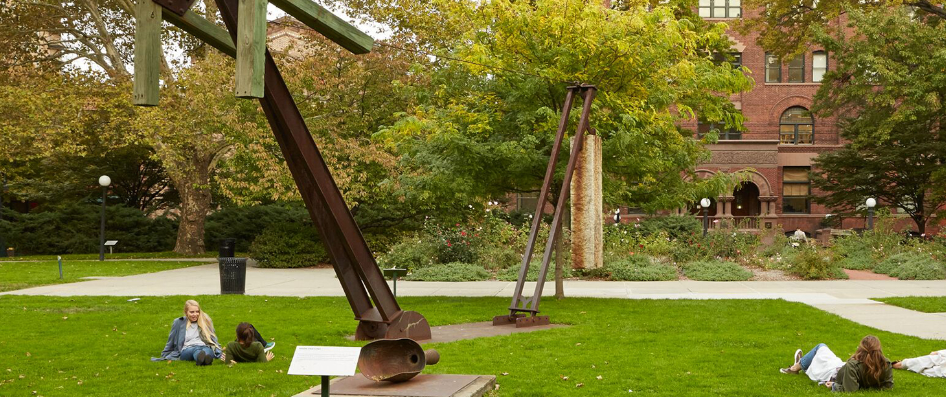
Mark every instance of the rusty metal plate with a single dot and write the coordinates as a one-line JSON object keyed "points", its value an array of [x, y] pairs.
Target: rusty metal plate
{"points": [[532, 321], [426, 385]]}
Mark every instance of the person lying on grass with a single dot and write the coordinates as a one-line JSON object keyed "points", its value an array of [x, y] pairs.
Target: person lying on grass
{"points": [[868, 368], [932, 365], [248, 347], [192, 337]]}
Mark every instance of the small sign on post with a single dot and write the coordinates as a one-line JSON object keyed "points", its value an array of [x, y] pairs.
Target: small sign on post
{"points": [[110, 244], [324, 361], [394, 273]]}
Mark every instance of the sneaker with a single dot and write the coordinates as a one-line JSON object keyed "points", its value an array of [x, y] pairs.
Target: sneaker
{"points": [[798, 356], [201, 358], [788, 370], [269, 346]]}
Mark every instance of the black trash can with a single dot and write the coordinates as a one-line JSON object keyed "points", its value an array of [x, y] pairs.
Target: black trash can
{"points": [[227, 247], [232, 275]]}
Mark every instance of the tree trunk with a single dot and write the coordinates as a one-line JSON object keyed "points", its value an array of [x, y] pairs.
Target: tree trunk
{"points": [[920, 224], [195, 205], [559, 263]]}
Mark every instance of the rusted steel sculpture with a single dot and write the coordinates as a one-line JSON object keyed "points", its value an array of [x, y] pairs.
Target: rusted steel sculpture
{"points": [[371, 300], [394, 360], [524, 311]]}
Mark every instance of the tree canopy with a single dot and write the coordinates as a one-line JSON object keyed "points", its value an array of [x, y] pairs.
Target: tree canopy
{"points": [[887, 90], [487, 129]]}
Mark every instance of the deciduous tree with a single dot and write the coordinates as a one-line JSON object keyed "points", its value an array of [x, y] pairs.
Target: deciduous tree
{"points": [[888, 91]]}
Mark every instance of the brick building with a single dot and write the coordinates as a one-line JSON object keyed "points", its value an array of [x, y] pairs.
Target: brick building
{"points": [[781, 136]]}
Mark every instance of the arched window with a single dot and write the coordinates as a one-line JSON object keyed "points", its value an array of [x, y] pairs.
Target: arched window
{"points": [[819, 65], [796, 127]]}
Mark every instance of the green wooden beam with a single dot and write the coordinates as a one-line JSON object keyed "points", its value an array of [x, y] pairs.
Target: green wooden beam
{"points": [[326, 23], [203, 29], [251, 48], [147, 53]]}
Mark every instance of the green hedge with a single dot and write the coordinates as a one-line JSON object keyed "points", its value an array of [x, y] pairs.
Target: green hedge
{"points": [[74, 229], [639, 268], [512, 273], [456, 271], [246, 223], [715, 270], [287, 246], [412, 254], [912, 266]]}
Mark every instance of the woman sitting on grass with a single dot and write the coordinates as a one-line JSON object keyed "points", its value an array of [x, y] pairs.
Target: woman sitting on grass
{"points": [[192, 337], [248, 347], [932, 365], [868, 368]]}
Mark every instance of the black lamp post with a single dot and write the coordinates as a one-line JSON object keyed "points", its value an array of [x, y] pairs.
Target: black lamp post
{"points": [[104, 181], [871, 203], [705, 202]]}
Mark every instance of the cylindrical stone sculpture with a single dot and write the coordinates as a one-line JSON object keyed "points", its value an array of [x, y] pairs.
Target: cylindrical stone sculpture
{"points": [[587, 208]]}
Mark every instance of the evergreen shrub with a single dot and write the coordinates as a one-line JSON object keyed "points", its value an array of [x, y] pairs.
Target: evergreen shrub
{"points": [[288, 246], [456, 271], [716, 270]]}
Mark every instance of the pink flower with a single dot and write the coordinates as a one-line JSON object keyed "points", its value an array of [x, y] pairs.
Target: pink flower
{"points": [[463, 233], [449, 245]]}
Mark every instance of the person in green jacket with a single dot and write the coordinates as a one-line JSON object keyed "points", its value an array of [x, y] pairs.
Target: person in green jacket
{"points": [[247, 347], [866, 369]]}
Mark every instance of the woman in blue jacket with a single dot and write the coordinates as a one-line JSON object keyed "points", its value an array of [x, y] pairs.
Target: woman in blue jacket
{"points": [[192, 337]]}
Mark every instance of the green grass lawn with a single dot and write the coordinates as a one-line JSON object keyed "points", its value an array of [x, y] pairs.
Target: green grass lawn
{"points": [[117, 255], [102, 345], [926, 304], [19, 275]]}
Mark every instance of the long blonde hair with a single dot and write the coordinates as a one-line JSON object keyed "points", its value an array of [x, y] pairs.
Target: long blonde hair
{"points": [[204, 324]]}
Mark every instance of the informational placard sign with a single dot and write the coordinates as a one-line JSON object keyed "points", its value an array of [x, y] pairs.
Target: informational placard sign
{"points": [[324, 360]]}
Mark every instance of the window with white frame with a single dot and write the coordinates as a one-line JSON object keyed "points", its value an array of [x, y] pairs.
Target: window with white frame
{"points": [[720, 8], [819, 65]]}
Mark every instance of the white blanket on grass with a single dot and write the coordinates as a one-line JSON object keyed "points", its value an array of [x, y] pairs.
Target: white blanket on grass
{"points": [[933, 365], [824, 366]]}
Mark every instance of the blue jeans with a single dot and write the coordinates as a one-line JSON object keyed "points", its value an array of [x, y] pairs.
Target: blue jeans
{"points": [[190, 353], [806, 359]]}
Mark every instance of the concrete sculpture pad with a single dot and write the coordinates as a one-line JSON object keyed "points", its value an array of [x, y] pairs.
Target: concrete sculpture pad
{"points": [[425, 385]]}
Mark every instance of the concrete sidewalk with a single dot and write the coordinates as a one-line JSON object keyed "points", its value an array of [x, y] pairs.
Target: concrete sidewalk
{"points": [[847, 298]]}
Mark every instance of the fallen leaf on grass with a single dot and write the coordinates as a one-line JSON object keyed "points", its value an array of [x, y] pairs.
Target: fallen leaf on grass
{"points": [[564, 377], [28, 354], [598, 377], [505, 373], [580, 385]]}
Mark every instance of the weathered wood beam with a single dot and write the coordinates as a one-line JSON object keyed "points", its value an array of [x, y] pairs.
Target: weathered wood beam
{"points": [[329, 25], [147, 53], [251, 48], [203, 29]]}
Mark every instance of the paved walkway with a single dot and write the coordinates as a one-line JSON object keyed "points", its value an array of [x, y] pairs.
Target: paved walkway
{"points": [[847, 298]]}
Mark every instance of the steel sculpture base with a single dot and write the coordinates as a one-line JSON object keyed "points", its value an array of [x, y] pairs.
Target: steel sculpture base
{"points": [[394, 360], [521, 320], [410, 325], [424, 385]]}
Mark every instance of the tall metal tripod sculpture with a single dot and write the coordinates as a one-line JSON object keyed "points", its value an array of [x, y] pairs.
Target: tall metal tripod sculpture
{"points": [[258, 77], [524, 311]]}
